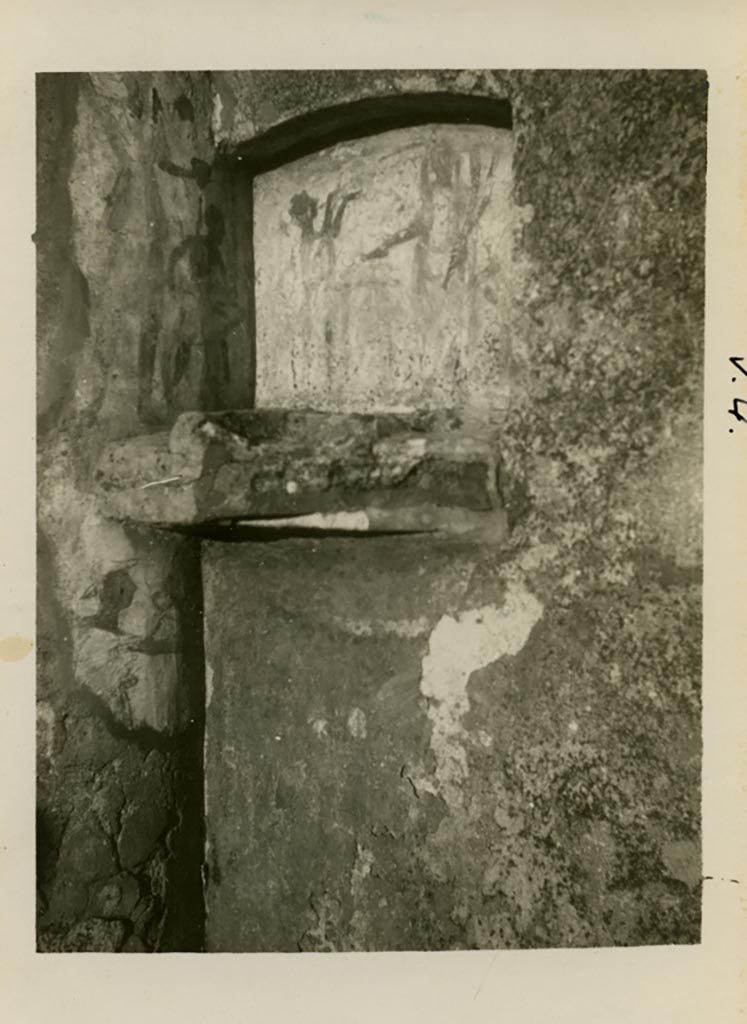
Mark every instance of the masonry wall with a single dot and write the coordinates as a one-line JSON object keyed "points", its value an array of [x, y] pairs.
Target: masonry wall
{"points": [[128, 250], [142, 312]]}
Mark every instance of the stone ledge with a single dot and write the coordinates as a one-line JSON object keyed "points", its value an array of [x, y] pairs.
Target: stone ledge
{"points": [[414, 472]]}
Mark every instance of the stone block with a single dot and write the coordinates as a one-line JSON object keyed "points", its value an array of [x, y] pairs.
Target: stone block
{"points": [[86, 850], [117, 897], [145, 818], [93, 935], [419, 472]]}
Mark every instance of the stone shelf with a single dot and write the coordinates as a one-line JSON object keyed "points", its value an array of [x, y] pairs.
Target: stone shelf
{"points": [[297, 470]]}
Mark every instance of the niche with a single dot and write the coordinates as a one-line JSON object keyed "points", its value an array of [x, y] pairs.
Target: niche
{"points": [[336, 765]]}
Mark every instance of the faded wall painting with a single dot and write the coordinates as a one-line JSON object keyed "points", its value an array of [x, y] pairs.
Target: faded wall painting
{"points": [[382, 273]]}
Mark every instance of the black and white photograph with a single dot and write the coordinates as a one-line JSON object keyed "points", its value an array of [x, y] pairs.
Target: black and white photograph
{"points": [[369, 509]]}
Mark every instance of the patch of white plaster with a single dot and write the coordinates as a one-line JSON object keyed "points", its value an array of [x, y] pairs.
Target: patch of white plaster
{"points": [[420, 781], [409, 628], [104, 545], [357, 724], [217, 115], [362, 868], [46, 728], [352, 521], [320, 727], [405, 448], [364, 860], [459, 646]]}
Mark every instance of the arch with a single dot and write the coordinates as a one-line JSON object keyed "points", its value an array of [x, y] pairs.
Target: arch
{"points": [[316, 129]]}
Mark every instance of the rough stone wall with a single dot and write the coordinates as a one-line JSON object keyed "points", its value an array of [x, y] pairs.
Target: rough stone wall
{"points": [[128, 264], [581, 824]]}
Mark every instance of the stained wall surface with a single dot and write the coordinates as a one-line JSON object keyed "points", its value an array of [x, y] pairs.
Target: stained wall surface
{"points": [[354, 778], [532, 714]]}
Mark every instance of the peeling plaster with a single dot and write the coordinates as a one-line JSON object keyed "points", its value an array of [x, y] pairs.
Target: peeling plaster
{"points": [[357, 724], [459, 646], [409, 628], [364, 861], [208, 684], [217, 115], [320, 727], [357, 521]]}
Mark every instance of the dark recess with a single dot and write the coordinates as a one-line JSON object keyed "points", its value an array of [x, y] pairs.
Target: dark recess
{"points": [[308, 133]]}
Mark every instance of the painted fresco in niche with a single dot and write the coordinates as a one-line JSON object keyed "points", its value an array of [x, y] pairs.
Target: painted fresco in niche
{"points": [[382, 273]]}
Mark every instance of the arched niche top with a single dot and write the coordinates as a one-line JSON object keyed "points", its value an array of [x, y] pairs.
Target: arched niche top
{"points": [[322, 127]]}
